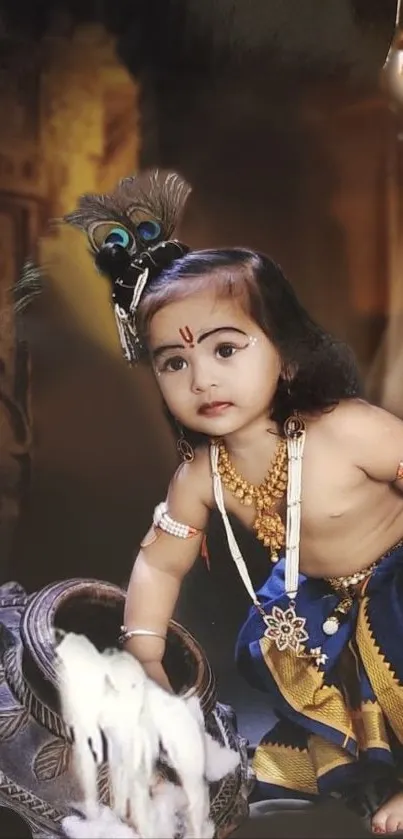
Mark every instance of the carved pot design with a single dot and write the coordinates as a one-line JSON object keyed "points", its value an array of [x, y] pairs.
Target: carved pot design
{"points": [[35, 751]]}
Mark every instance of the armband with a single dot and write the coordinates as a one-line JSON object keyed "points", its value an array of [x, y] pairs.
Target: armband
{"points": [[165, 522]]}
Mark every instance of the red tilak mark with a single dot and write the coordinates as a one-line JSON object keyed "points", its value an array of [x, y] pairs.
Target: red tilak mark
{"points": [[187, 336]]}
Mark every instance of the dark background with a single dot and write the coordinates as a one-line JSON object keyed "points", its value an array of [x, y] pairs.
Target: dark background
{"points": [[272, 110]]}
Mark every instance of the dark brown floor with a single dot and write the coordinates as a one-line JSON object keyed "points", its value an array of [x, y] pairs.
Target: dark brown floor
{"points": [[329, 821]]}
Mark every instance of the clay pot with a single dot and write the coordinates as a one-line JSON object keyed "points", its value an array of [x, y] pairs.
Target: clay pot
{"points": [[35, 752]]}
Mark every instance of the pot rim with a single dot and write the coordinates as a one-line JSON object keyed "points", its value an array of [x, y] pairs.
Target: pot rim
{"points": [[37, 631]]}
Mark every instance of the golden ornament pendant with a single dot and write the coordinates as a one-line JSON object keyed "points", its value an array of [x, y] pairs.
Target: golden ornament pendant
{"points": [[271, 531], [268, 525]]}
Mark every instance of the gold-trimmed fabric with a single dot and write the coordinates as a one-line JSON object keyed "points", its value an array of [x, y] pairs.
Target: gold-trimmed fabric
{"points": [[301, 769], [287, 767], [303, 686], [384, 681], [339, 703]]}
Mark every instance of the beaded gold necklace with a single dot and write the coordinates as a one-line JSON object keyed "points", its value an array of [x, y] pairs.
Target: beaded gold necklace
{"points": [[268, 524]]}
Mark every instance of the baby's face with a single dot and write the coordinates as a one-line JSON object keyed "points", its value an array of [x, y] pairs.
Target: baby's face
{"points": [[216, 368]]}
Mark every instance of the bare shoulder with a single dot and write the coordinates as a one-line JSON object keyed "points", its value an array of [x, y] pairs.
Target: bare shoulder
{"points": [[190, 491], [195, 477], [371, 437], [355, 420]]}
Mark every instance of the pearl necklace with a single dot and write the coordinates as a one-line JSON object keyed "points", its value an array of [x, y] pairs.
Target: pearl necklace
{"points": [[283, 626]]}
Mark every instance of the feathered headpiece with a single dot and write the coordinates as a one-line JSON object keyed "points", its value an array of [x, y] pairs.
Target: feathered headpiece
{"points": [[130, 232]]}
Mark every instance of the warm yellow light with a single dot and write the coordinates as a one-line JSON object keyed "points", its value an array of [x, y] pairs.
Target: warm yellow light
{"points": [[392, 71], [83, 294]]}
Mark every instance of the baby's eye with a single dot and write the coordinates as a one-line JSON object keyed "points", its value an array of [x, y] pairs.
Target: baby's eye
{"points": [[174, 364], [226, 350]]}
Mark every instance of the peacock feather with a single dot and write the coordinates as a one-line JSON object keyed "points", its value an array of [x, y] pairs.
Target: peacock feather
{"points": [[142, 211], [130, 233]]}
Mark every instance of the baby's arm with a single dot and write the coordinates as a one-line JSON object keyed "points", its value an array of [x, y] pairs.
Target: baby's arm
{"points": [[160, 567], [375, 438]]}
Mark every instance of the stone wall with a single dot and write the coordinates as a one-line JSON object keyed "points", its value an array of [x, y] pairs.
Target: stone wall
{"points": [[306, 172], [69, 125]]}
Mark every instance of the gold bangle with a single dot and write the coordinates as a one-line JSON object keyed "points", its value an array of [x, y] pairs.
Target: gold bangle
{"points": [[126, 634]]}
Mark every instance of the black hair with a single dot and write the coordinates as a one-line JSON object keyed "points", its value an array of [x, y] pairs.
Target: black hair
{"points": [[318, 370]]}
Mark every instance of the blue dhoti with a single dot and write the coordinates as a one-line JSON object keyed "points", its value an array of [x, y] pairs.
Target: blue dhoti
{"points": [[340, 704]]}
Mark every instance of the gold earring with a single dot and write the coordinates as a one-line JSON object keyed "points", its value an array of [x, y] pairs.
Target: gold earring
{"points": [[184, 447]]}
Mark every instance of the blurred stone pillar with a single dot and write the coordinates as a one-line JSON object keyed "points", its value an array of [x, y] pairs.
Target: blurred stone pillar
{"points": [[102, 452]]}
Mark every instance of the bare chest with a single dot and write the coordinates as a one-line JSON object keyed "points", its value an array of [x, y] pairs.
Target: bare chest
{"points": [[347, 519], [333, 490]]}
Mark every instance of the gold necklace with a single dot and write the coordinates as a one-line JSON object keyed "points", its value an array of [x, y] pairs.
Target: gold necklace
{"points": [[268, 524]]}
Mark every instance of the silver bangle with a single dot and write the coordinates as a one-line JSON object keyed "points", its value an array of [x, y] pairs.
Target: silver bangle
{"points": [[126, 634]]}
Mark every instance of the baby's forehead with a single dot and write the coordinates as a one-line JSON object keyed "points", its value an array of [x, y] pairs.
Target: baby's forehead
{"points": [[204, 303], [199, 311]]}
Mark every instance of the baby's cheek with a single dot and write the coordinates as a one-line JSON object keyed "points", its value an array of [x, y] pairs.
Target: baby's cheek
{"points": [[174, 401]]}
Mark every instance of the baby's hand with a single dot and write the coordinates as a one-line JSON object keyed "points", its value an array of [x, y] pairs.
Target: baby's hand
{"points": [[156, 672]]}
